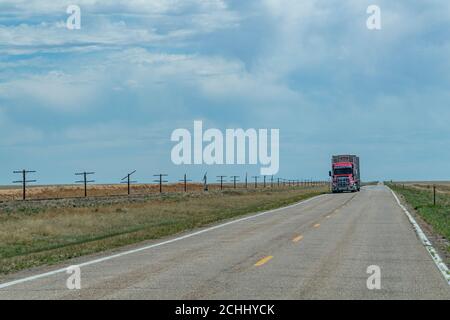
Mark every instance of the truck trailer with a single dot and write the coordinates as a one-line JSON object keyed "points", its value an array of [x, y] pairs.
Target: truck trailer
{"points": [[345, 174]]}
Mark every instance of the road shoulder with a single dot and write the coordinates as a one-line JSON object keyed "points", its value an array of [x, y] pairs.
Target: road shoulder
{"points": [[427, 236]]}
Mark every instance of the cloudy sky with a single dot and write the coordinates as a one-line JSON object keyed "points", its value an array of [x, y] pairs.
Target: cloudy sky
{"points": [[107, 97]]}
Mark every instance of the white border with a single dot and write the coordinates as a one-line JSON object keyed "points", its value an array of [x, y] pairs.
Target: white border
{"points": [[47, 274], [423, 238]]}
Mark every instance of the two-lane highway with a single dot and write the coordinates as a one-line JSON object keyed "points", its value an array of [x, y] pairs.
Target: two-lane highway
{"points": [[320, 248]]}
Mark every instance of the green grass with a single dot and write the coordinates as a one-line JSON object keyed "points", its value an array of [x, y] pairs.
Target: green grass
{"points": [[437, 216], [36, 236]]}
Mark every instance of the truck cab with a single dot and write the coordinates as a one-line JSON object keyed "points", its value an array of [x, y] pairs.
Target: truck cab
{"points": [[345, 174]]}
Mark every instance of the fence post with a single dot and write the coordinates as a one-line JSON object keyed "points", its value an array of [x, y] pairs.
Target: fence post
{"points": [[434, 195]]}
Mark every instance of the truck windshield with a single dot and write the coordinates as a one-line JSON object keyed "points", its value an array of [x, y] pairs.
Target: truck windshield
{"points": [[347, 170]]}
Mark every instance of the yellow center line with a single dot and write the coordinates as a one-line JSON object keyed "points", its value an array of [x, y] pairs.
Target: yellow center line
{"points": [[263, 261], [317, 225], [297, 239]]}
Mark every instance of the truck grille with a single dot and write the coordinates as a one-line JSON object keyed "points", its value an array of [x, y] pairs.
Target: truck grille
{"points": [[342, 182]]}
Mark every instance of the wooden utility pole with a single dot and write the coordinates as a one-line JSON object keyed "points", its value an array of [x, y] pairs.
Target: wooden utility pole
{"points": [[128, 181], [235, 179], [85, 181], [24, 181], [185, 181], [160, 180], [221, 181], [256, 181]]}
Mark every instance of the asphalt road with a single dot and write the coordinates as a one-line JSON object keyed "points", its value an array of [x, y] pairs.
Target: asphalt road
{"points": [[320, 249]]}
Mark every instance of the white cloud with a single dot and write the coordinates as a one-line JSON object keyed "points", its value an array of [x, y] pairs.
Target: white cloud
{"points": [[314, 34], [54, 90], [213, 77], [39, 26], [48, 7]]}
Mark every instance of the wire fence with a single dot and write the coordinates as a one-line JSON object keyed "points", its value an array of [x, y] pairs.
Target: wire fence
{"points": [[439, 193]]}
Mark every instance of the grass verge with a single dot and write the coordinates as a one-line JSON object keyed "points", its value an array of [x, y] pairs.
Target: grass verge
{"points": [[437, 216], [45, 236]]}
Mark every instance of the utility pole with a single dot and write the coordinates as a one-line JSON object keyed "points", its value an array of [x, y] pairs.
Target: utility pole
{"points": [[128, 181], [235, 179], [221, 181], [205, 182], [85, 181], [24, 181], [160, 180], [185, 181], [256, 181]]}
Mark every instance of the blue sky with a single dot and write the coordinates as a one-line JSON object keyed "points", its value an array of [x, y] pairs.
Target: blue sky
{"points": [[107, 97]]}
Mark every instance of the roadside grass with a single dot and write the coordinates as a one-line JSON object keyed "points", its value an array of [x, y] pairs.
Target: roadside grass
{"points": [[422, 201], [46, 236]]}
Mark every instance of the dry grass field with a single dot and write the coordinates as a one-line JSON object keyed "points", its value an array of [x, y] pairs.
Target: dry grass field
{"points": [[34, 233], [441, 186], [12, 193], [97, 190]]}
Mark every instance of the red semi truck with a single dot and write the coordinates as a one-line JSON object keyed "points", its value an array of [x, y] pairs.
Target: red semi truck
{"points": [[345, 175]]}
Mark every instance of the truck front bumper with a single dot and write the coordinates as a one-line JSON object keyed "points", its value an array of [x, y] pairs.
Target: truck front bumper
{"points": [[345, 188]]}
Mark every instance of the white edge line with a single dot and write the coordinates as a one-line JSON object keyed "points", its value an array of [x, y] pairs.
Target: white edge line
{"points": [[51, 273], [423, 238]]}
